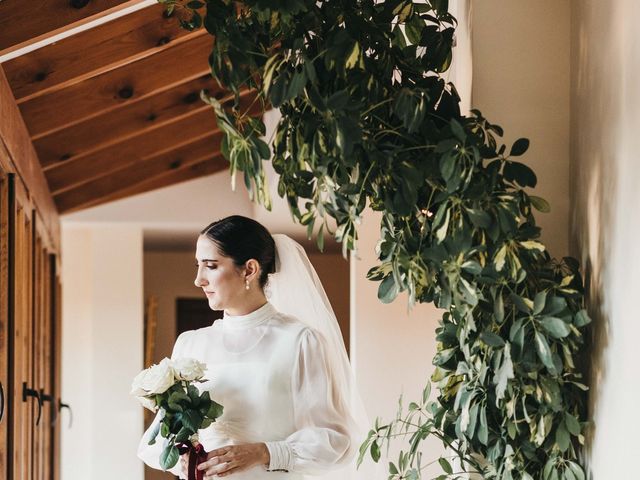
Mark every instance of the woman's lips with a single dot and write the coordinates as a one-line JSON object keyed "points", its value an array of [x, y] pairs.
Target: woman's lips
{"points": [[208, 294]]}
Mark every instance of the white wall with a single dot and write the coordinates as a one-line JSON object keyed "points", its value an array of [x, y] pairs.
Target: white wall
{"points": [[391, 347], [196, 202], [605, 141], [521, 52], [102, 328]]}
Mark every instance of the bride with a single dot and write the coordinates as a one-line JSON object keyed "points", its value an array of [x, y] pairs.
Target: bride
{"points": [[278, 366]]}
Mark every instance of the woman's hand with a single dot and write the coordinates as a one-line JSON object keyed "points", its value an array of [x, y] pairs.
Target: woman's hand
{"points": [[234, 458], [184, 462]]}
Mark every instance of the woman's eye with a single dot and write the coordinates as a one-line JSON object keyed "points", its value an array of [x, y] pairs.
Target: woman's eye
{"points": [[208, 266]]}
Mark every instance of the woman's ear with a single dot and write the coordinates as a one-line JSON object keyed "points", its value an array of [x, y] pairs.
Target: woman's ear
{"points": [[251, 270]]}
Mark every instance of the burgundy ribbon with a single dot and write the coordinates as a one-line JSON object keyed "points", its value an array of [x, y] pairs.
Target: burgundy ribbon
{"points": [[197, 455]]}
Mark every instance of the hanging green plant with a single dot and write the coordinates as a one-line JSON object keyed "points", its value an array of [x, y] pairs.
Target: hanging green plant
{"points": [[368, 120]]}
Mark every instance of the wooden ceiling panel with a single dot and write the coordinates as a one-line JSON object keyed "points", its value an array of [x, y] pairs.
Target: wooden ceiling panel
{"points": [[195, 125], [133, 119], [25, 23], [152, 167], [113, 110], [91, 52], [79, 170], [132, 82], [182, 174]]}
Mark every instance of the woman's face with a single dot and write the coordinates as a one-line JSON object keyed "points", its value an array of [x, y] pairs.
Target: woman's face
{"points": [[221, 280]]}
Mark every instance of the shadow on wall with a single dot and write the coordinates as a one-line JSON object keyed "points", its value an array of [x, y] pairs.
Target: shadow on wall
{"points": [[604, 225]]}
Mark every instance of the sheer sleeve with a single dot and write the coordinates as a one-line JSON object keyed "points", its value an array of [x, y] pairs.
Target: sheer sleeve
{"points": [[324, 436], [150, 454]]}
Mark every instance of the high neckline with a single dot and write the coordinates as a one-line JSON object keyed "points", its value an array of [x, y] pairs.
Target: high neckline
{"points": [[250, 320]]}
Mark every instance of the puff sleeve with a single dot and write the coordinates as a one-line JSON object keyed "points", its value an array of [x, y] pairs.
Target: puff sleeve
{"points": [[324, 437]]}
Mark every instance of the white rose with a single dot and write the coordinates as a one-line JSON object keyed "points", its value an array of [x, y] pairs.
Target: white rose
{"points": [[188, 369], [155, 379], [148, 403], [136, 385]]}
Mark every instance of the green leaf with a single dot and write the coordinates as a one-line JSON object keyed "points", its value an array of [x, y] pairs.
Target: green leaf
{"points": [[533, 245], [191, 419], [479, 218], [483, 430], [556, 327], [500, 257], [539, 302], [388, 290], [554, 305], [443, 356], [498, 308], [504, 373], [441, 232], [296, 86], [572, 424], [277, 92], [457, 130], [354, 57], [568, 474], [375, 451], [339, 100], [540, 204], [520, 173], [577, 470], [215, 410], [544, 352], [169, 457], [581, 319], [446, 466], [179, 396], [519, 147], [263, 149], [413, 29], [562, 438], [492, 339], [523, 305]]}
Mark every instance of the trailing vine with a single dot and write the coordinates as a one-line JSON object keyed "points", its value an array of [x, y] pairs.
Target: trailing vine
{"points": [[368, 120]]}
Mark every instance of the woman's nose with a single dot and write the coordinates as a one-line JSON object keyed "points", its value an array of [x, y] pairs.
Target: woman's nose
{"points": [[200, 281]]}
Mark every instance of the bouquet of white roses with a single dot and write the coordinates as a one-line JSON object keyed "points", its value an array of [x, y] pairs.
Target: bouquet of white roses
{"points": [[170, 387]]}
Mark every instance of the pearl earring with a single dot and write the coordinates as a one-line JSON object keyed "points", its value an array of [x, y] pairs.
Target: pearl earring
{"points": [[246, 284]]}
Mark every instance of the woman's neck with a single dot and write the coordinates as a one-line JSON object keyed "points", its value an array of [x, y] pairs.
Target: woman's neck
{"points": [[251, 303]]}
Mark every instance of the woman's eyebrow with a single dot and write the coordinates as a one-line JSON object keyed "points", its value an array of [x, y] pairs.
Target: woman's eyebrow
{"points": [[208, 260]]}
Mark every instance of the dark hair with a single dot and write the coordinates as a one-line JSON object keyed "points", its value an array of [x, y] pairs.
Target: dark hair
{"points": [[241, 239]]}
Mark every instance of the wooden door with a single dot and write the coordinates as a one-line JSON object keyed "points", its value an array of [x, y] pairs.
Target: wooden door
{"points": [[4, 324], [56, 369], [25, 396], [42, 351]]}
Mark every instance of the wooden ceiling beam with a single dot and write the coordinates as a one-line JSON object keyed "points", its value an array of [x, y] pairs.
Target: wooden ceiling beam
{"points": [[188, 172], [26, 23], [92, 52], [128, 177], [196, 124], [118, 125], [84, 169], [128, 84]]}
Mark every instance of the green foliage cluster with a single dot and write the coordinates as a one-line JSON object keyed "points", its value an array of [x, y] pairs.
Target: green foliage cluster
{"points": [[186, 411], [368, 120]]}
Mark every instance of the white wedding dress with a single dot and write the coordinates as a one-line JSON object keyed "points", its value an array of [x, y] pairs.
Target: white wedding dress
{"points": [[271, 374]]}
